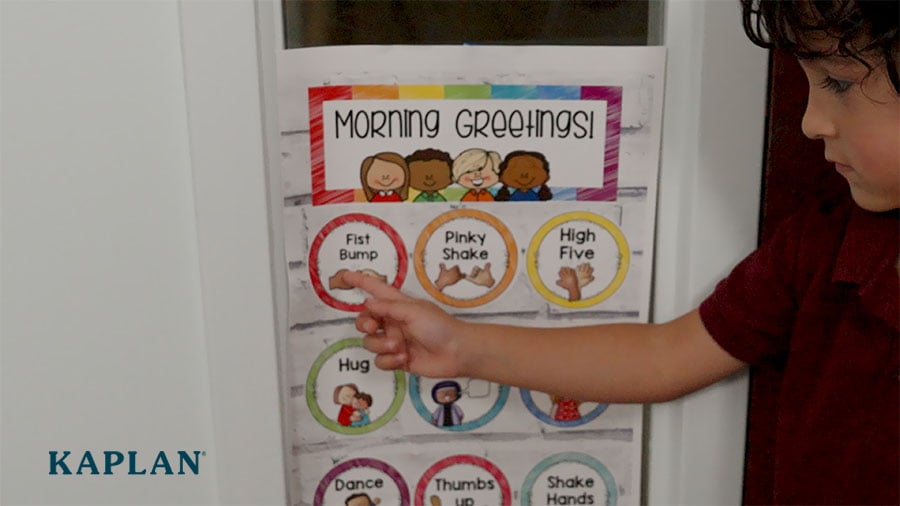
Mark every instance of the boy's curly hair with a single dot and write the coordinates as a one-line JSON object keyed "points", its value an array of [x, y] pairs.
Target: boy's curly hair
{"points": [[863, 29]]}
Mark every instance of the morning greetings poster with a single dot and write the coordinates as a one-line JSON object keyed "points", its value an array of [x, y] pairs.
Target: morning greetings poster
{"points": [[506, 184]]}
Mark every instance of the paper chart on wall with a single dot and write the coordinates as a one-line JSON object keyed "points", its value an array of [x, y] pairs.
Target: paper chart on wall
{"points": [[506, 184]]}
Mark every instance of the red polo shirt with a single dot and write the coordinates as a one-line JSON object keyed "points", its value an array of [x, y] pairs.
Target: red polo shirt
{"points": [[818, 306]]}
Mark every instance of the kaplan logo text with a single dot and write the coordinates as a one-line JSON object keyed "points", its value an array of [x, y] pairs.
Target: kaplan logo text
{"points": [[109, 462]]}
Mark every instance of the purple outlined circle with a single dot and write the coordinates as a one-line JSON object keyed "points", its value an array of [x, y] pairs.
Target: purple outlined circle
{"points": [[357, 463]]}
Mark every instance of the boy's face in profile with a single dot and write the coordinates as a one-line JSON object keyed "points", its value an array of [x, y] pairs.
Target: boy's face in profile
{"points": [[429, 175], [858, 118]]}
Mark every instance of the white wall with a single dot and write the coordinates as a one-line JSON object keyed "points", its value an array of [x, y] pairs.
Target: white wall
{"points": [[707, 221], [110, 274], [142, 287]]}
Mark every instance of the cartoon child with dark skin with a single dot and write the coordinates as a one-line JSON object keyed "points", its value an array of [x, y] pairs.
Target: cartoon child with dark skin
{"points": [[429, 172], [448, 414], [361, 403], [343, 396], [477, 169], [362, 499], [527, 173], [385, 177]]}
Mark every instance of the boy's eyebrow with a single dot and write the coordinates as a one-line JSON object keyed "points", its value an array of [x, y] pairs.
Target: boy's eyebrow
{"points": [[840, 62]]}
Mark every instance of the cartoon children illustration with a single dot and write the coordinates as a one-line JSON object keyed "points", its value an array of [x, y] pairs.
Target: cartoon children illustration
{"points": [[527, 172], [343, 396], [429, 171], [361, 499], [385, 177], [448, 414], [564, 409], [361, 403], [477, 170]]}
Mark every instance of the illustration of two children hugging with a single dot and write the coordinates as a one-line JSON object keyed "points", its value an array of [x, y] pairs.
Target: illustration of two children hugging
{"points": [[354, 405], [388, 176]]}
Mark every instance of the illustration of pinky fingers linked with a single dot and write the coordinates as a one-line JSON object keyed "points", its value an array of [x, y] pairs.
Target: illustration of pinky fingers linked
{"points": [[347, 394], [465, 258]]}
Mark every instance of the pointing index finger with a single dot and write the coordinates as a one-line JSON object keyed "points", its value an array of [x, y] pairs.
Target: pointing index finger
{"points": [[372, 285]]}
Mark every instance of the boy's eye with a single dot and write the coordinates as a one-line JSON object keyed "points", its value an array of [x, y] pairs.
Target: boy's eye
{"points": [[836, 85]]}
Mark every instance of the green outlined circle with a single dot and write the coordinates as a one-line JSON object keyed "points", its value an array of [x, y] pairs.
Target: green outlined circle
{"points": [[328, 423], [612, 492], [541, 234]]}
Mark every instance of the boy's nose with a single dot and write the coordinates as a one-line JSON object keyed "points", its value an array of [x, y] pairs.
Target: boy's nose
{"points": [[816, 123]]}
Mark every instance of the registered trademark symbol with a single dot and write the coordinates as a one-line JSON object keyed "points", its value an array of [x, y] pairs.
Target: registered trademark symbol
{"points": [[203, 453]]}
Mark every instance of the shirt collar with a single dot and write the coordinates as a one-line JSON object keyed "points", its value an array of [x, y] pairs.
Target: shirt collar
{"points": [[868, 258]]}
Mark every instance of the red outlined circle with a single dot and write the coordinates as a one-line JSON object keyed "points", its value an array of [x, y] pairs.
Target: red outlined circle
{"points": [[472, 460], [316, 279]]}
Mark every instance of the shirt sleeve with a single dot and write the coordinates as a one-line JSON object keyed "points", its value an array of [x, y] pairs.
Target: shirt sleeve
{"points": [[751, 312]]}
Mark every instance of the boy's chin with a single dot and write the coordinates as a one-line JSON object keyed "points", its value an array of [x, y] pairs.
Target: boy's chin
{"points": [[874, 203]]}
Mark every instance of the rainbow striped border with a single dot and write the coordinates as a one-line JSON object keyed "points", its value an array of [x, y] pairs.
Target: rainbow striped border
{"points": [[321, 94]]}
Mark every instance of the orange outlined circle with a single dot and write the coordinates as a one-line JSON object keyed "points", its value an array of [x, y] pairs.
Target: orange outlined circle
{"points": [[512, 257]]}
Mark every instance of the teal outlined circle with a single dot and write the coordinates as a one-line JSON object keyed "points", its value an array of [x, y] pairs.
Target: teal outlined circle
{"points": [[612, 492], [415, 396], [312, 398]]}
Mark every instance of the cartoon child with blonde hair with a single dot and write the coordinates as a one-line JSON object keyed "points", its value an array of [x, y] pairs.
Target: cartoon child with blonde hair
{"points": [[385, 177], [477, 169]]}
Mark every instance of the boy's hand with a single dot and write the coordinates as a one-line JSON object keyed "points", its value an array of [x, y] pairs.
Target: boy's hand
{"points": [[407, 333]]}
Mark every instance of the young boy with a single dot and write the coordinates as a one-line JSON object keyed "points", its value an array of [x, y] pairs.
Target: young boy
{"points": [[817, 304]]}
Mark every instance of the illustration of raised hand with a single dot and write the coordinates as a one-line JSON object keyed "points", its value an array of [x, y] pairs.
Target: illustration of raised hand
{"points": [[482, 276], [585, 274], [447, 277], [568, 281]]}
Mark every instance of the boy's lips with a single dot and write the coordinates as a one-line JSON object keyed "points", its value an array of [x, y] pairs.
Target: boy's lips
{"points": [[841, 168]]}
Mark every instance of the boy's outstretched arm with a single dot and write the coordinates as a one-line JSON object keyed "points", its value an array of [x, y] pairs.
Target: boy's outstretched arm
{"points": [[608, 363]]}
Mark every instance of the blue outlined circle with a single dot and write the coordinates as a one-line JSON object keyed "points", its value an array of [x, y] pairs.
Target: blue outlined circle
{"points": [[612, 491], [545, 417], [415, 396]]}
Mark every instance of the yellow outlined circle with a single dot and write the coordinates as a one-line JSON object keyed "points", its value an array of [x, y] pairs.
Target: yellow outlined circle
{"points": [[512, 255], [541, 234]]}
